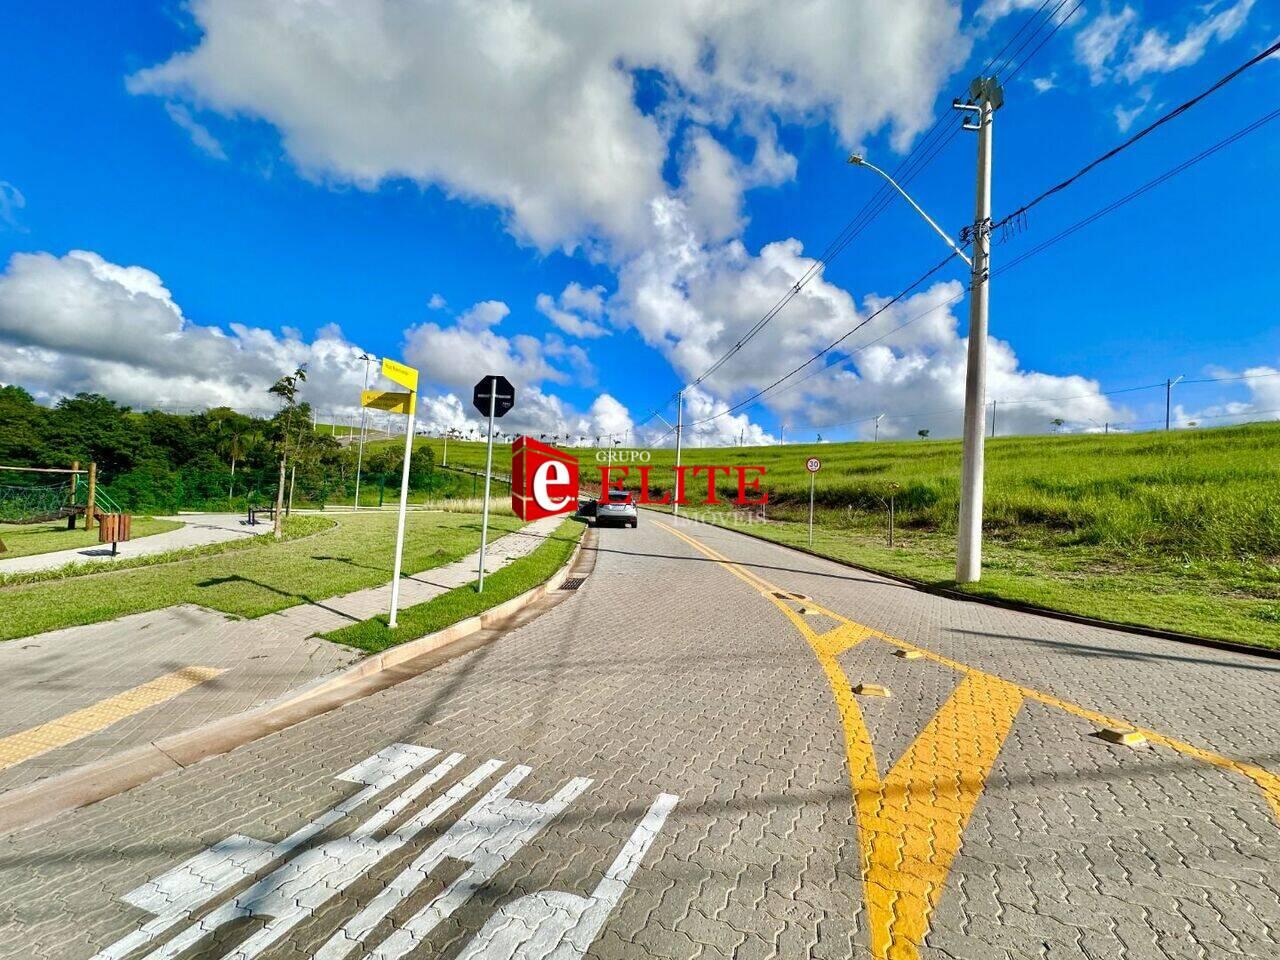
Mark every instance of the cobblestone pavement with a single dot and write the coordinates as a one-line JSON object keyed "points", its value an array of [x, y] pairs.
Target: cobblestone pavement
{"points": [[73, 696], [671, 763], [197, 530]]}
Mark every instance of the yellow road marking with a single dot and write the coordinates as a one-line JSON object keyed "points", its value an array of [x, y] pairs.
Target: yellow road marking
{"points": [[80, 723], [910, 824]]}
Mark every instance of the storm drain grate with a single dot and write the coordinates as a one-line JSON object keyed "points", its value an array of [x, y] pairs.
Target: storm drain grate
{"points": [[573, 583]]}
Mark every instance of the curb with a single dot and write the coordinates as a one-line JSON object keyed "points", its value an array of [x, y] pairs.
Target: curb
{"points": [[1269, 653], [87, 784]]}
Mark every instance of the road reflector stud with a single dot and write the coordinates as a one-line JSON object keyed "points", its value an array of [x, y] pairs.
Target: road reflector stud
{"points": [[908, 654], [808, 612], [1125, 738], [871, 690]]}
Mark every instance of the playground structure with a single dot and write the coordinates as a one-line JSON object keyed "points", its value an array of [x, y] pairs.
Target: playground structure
{"points": [[77, 496]]}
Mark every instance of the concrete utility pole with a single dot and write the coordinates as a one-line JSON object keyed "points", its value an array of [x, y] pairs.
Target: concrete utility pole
{"points": [[363, 413], [993, 417], [675, 493], [1168, 399], [986, 97]]}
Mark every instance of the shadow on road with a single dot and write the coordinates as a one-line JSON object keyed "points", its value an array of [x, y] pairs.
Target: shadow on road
{"points": [[1089, 650], [300, 597]]}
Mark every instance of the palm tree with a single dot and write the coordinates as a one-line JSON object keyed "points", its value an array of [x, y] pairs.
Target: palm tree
{"points": [[240, 443], [922, 434], [286, 390]]}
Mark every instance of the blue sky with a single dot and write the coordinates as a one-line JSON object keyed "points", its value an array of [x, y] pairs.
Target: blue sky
{"points": [[280, 192]]}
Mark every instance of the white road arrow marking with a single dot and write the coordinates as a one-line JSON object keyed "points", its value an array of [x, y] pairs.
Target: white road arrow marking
{"points": [[562, 926]]}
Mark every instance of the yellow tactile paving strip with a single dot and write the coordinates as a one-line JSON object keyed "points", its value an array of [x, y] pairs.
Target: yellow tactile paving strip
{"points": [[910, 822], [73, 726]]}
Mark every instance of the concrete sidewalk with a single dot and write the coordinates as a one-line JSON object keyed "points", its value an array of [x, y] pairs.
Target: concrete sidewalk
{"points": [[197, 530], [74, 696]]}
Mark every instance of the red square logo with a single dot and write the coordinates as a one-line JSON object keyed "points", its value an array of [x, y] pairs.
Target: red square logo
{"points": [[544, 481]]}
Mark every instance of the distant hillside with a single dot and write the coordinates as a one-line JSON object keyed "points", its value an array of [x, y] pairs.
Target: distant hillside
{"points": [[1179, 530]]}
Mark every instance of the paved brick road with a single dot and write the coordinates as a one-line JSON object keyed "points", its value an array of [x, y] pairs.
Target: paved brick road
{"points": [[690, 776]]}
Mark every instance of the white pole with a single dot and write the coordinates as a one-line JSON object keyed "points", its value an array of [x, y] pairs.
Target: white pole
{"points": [[969, 539], [446, 447], [360, 451], [675, 493], [488, 476], [404, 502], [812, 478]]}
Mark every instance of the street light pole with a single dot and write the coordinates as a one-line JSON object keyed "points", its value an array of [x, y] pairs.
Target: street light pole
{"points": [[360, 450], [676, 491], [985, 97], [876, 437], [989, 96]]}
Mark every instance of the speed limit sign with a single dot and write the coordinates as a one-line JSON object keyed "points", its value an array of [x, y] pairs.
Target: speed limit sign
{"points": [[813, 464]]}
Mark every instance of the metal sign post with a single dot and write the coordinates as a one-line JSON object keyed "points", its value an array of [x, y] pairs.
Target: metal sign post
{"points": [[813, 465], [493, 395], [407, 377]]}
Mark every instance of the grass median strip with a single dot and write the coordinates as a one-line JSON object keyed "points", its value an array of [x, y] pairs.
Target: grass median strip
{"points": [[25, 540], [517, 577], [320, 558]]}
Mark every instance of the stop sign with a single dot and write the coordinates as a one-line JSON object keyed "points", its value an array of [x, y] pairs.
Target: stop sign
{"points": [[499, 389]]}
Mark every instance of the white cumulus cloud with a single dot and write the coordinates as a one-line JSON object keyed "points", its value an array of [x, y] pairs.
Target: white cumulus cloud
{"points": [[577, 312], [79, 323], [533, 107]]}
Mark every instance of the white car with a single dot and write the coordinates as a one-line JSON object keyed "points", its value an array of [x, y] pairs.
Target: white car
{"points": [[618, 507]]}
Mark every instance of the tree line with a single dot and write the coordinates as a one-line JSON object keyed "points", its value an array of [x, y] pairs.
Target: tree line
{"points": [[155, 462]]}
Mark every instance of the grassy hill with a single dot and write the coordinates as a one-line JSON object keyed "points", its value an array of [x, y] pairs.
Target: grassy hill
{"points": [[1176, 530]]}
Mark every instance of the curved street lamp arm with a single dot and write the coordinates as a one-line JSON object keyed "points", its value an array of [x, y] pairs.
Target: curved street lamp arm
{"points": [[859, 161]]}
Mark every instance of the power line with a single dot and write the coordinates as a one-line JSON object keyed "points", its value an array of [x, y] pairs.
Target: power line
{"points": [[1041, 247], [1049, 36], [835, 343], [1003, 402], [932, 143], [880, 200], [1172, 114], [1133, 195]]}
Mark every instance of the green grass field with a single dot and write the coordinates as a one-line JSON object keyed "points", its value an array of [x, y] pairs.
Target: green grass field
{"points": [[323, 557], [1178, 530], [24, 540], [462, 602]]}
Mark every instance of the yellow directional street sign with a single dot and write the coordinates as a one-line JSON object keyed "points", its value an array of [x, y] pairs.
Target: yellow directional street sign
{"points": [[407, 377], [389, 400]]}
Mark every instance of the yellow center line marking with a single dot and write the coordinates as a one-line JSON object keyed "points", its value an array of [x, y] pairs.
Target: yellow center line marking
{"points": [[81, 723], [910, 823]]}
